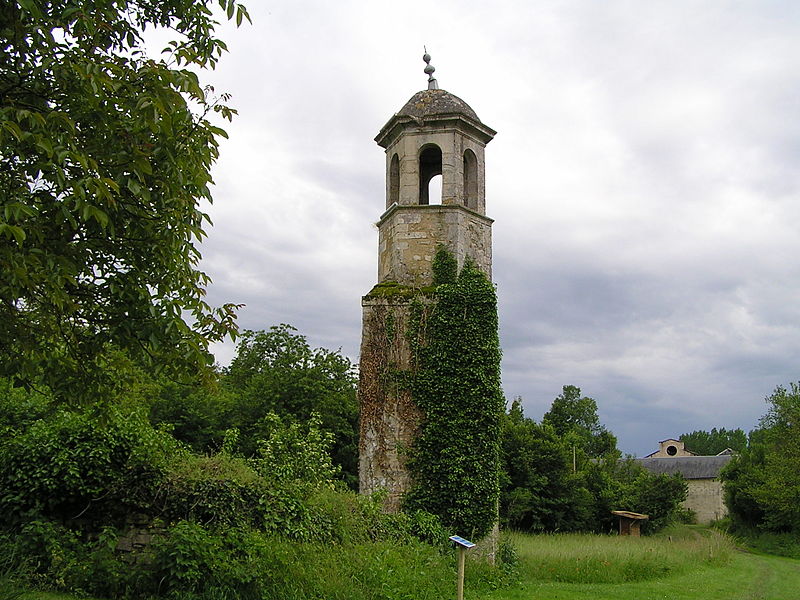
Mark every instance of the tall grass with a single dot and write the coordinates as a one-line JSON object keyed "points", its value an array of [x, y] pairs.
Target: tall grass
{"points": [[580, 558], [762, 542], [385, 570]]}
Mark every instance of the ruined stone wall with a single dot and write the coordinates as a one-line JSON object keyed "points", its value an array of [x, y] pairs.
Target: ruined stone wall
{"points": [[140, 531], [706, 498], [408, 237], [389, 418]]}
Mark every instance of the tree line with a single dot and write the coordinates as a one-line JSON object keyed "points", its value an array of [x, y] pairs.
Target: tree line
{"points": [[565, 473]]}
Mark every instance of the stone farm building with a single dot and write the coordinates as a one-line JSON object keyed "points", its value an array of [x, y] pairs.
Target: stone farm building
{"points": [[705, 495]]}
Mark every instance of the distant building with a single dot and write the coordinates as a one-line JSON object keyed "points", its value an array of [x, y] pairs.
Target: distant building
{"points": [[705, 494], [670, 448]]}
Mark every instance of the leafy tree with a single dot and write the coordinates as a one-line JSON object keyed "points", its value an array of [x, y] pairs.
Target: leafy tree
{"points": [[575, 417], [105, 158], [781, 488], [622, 484], [659, 496], [198, 415], [277, 371], [763, 483], [743, 477], [711, 443], [539, 491]]}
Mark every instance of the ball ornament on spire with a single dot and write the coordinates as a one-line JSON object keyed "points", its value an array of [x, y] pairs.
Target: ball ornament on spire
{"points": [[429, 69]]}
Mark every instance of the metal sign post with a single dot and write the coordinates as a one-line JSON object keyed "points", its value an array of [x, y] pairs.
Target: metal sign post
{"points": [[463, 545]]}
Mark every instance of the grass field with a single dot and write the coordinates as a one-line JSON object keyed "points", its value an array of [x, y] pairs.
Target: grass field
{"points": [[681, 564]]}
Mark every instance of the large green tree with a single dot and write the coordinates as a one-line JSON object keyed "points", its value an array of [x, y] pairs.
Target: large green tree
{"points": [[539, 490], [710, 443], [543, 490], [575, 418], [278, 371], [105, 158], [763, 483]]}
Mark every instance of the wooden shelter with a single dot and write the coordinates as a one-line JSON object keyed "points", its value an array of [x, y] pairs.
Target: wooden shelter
{"points": [[629, 522]]}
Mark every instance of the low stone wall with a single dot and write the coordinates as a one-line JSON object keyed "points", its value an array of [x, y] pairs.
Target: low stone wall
{"points": [[140, 532]]}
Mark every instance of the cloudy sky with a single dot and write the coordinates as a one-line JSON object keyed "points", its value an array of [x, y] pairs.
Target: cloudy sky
{"points": [[644, 183]]}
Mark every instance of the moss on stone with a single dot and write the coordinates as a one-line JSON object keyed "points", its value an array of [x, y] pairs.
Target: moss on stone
{"points": [[393, 289]]}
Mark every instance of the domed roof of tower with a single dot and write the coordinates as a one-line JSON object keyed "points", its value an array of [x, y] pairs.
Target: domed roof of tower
{"points": [[436, 102], [433, 108]]}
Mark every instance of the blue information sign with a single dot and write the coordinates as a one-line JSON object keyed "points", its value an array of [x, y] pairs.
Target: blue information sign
{"points": [[461, 541]]}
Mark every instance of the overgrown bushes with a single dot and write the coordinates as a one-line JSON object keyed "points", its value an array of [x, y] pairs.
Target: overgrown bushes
{"points": [[195, 561], [91, 464], [70, 480]]}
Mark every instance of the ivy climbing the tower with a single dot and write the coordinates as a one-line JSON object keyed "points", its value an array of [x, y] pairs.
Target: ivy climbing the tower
{"points": [[456, 384]]}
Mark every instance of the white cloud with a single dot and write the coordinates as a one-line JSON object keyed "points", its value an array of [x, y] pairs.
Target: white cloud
{"points": [[644, 183]]}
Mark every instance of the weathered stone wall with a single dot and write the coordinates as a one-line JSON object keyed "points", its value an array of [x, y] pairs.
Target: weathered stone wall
{"points": [[408, 236], [140, 532], [706, 498], [389, 418]]}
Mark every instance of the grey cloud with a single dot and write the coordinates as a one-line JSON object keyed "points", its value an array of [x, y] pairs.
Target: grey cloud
{"points": [[644, 183]]}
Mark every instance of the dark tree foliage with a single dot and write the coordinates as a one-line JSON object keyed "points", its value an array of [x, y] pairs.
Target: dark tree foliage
{"points": [[711, 443], [197, 415], [744, 476], [549, 485], [539, 491], [277, 371], [575, 418], [763, 483], [105, 158]]}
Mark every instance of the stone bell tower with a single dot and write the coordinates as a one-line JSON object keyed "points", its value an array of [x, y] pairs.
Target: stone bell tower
{"points": [[434, 133]]}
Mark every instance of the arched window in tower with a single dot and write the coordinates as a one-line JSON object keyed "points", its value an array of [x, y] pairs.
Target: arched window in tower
{"points": [[394, 181], [430, 165], [470, 179]]}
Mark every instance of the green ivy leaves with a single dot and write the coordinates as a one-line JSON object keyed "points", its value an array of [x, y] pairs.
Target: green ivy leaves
{"points": [[455, 459]]}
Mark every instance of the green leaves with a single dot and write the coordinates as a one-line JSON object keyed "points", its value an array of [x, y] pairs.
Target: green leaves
{"points": [[575, 417], [12, 232], [105, 158], [455, 460], [710, 443], [276, 370], [762, 483]]}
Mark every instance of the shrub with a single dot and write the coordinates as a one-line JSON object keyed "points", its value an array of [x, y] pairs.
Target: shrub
{"points": [[93, 464]]}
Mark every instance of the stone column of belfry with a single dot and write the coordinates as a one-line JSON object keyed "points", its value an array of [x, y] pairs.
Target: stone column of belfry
{"points": [[434, 133]]}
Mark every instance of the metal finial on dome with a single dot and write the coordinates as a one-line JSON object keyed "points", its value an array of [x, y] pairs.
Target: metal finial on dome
{"points": [[429, 69]]}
